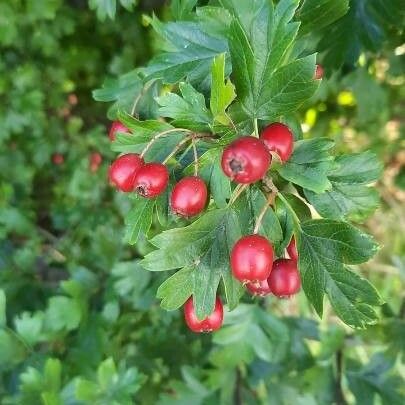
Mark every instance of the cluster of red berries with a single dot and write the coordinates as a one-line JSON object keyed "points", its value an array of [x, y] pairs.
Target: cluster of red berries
{"points": [[245, 161], [129, 173]]}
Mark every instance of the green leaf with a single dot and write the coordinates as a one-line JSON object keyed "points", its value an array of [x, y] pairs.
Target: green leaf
{"points": [[104, 8], [3, 318], [222, 91], [324, 246], [349, 197], [270, 340], [204, 245], [121, 90], [191, 53], [63, 313], [175, 291], [29, 326], [139, 219], [317, 14], [181, 9], [188, 111], [268, 83], [309, 165], [210, 170]]}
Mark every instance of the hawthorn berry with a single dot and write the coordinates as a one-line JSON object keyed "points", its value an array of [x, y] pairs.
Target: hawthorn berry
{"points": [[58, 159], [318, 72], [123, 170], [252, 259], [95, 160], [189, 196], [246, 160], [151, 179], [278, 138], [210, 323], [284, 279], [292, 250], [116, 126], [260, 288]]}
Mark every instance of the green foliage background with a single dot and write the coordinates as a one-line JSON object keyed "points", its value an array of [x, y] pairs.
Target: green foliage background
{"points": [[79, 321]]}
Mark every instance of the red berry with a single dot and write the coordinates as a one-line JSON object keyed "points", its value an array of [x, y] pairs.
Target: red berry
{"points": [[58, 159], [292, 250], [252, 258], [210, 323], [318, 72], [123, 170], [117, 127], [260, 288], [151, 179], [95, 160], [278, 138], [246, 160], [284, 279], [189, 196]]}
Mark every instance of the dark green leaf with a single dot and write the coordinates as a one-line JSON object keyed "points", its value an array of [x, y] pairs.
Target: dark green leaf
{"points": [[309, 165], [317, 14], [188, 111], [139, 220], [175, 291]]}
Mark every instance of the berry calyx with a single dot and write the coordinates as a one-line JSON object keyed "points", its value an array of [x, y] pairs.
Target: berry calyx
{"points": [[278, 138], [116, 126], [151, 180], [246, 160], [210, 323], [284, 279], [189, 196], [259, 288], [123, 170], [318, 72], [292, 250], [252, 259]]}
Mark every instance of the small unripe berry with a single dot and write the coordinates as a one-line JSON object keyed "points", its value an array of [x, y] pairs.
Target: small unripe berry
{"points": [[292, 250], [318, 72], [211, 323], [116, 126], [189, 196], [151, 180], [252, 259], [246, 160], [123, 170], [278, 138], [260, 288], [284, 279]]}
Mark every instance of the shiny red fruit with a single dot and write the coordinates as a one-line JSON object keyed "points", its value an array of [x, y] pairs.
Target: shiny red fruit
{"points": [[151, 180], [318, 72], [116, 126], [211, 323], [292, 250], [260, 288], [252, 258], [189, 196], [58, 159], [246, 160], [284, 279], [278, 138], [123, 170]]}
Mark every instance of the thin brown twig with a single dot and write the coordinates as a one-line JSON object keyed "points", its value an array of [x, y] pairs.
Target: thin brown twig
{"points": [[177, 148], [194, 141], [270, 201]]}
